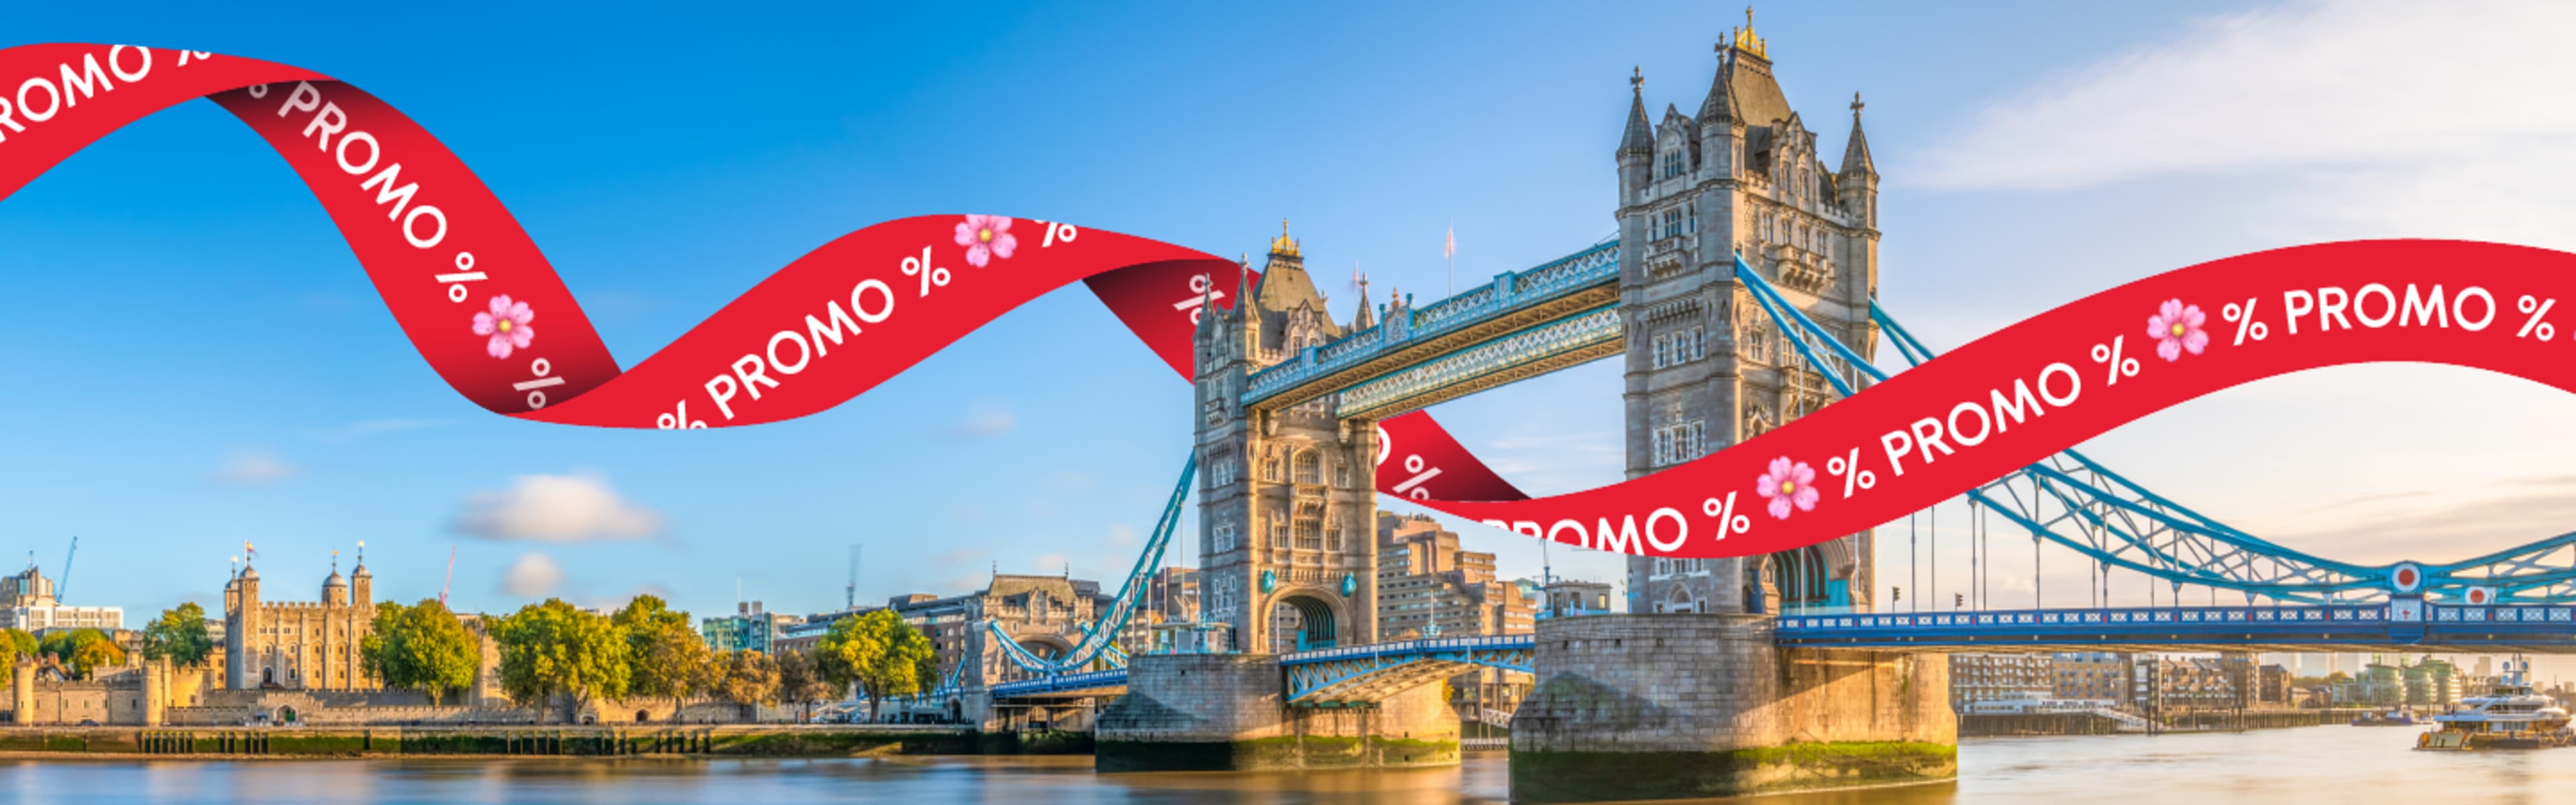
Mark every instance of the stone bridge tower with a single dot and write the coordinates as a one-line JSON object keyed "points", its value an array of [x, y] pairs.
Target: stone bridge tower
{"points": [[1287, 551], [1706, 369]]}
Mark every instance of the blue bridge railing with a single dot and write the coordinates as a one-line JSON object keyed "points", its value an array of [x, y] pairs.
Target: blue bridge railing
{"points": [[1509, 291]]}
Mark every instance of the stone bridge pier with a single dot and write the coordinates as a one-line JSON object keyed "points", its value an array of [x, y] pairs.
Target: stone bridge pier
{"points": [[1227, 712], [1704, 705]]}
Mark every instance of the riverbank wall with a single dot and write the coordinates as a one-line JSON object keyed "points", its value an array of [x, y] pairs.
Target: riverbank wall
{"points": [[1993, 725], [580, 741]]}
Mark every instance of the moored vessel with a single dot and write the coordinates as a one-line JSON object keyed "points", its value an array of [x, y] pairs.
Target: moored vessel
{"points": [[2509, 716]]}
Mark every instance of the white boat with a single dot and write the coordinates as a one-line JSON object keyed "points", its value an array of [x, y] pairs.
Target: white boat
{"points": [[2510, 716]]}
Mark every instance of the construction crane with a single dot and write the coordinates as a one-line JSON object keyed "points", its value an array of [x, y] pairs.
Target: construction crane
{"points": [[63, 582], [451, 576]]}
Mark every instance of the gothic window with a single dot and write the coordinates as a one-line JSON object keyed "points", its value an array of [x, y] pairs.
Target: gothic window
{"points": [[1690, 217], [1309, 535], [1341, 473], [1270, 467], [1333, 538], [1677, 348], [1278, 530], [1222, 470], [1680, 442], [1224, 538], [1309, 467], [1672, 221]]}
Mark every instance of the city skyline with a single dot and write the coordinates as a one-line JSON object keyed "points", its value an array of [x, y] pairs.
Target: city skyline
{"points": [[306, 424]]}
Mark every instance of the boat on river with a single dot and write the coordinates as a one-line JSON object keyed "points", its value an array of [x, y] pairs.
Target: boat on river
{"points": [[2509, 716], [2392, 718]]}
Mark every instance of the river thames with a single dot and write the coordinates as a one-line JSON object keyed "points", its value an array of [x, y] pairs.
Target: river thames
{"points": [[2339, 765]]}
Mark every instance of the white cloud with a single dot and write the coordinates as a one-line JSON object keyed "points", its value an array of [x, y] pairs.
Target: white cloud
{"points": [[252, 468], [2304, 86], [534, 575], [985, 422], [555, 508]]}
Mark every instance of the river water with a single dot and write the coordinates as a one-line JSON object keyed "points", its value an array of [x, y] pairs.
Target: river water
{"points": [[2341, 765]]}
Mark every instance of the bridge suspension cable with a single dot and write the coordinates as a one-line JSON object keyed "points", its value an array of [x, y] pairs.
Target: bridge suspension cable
{"points": [[1100, 637], [2079, 503]]}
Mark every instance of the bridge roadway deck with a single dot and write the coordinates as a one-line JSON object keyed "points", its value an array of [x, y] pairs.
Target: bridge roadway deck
{"points": [[1360, 671], [2370, 627]]}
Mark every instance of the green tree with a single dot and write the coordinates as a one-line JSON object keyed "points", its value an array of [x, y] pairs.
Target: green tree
{"points": [[82, 651], [750, 680], [668, 657], [423, 647], [95, 654], [179, 634], [801, 683], [552, 650], [878, 652], [22, 645]]}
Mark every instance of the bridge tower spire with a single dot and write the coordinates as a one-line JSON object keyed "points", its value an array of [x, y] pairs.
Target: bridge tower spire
{"points": [[1288, 557], [1705, 370]]}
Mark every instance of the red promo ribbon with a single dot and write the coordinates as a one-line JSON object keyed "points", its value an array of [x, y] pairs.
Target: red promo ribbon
{"points": [[483, 307]]}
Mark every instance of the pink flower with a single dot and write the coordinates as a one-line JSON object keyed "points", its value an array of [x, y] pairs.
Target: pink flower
{"points": [[2176, 327], [986, 237], [507, 325], [1789, 483]]}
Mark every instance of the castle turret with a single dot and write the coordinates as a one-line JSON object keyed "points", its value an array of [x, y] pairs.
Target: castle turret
{"points": [[1636, 145], [1858, 179], [361, 583], [241, 621]]}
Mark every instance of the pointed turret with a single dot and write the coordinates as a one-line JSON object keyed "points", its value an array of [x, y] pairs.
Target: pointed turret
{"points": [[1719, 108], [1363, 319], [1856, 150], [1640, 137]]}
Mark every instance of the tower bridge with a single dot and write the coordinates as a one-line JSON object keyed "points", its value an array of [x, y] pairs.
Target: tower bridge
{"points": [[1739, 293]]}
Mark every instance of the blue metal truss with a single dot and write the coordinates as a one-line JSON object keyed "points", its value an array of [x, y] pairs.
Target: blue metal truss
{"points": [[2074, 501], [2403, 625], [1508, 292], [1100, 637], [1373, 672], [1483, 363], [1088, 683]]}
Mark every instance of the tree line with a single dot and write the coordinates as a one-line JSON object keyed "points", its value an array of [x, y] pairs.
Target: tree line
{"points": [[555, 654]]}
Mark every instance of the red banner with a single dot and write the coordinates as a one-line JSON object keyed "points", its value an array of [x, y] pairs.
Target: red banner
{"points": [[484, 308]]}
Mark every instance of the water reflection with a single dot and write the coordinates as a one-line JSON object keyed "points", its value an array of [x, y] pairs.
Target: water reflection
{"points": [[2273, 767]]}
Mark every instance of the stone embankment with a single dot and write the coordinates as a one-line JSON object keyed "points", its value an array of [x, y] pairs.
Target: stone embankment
{"points": [[583, 741]]}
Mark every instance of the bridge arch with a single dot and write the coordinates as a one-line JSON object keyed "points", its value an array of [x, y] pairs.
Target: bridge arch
{"points": [[1304, 619]]}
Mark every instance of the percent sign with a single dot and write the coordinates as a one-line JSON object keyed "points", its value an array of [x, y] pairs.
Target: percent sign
{"points": [[678, 418], [2538, 310], [2243, 315], [2120, 367], [930, 275], [1412, 487], [544, 372], [1844, 466], [1056, 232], [1203, 291], [1728, 522], [464, 273]]}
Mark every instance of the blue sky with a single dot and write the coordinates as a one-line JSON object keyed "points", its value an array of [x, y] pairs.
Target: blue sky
{"points": [[198, 361]]}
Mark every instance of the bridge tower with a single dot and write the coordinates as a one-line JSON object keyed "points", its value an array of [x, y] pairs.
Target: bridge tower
{"points": [[1288, 555], [1690, 695], [1705, 368]]}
